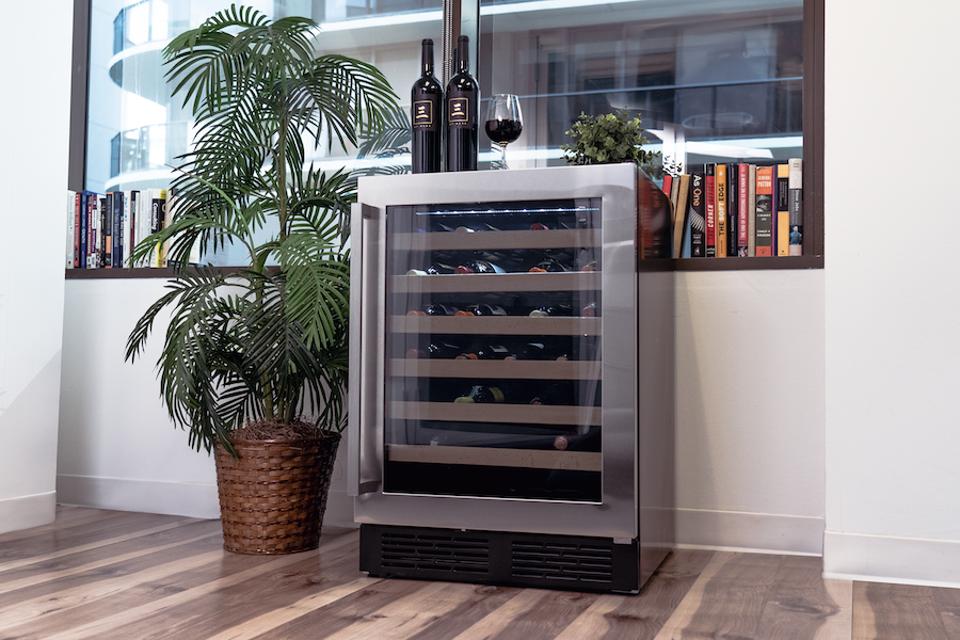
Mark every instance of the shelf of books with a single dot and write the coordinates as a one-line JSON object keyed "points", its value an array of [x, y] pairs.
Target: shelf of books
{"points": [[739, 216], [726, 216]]}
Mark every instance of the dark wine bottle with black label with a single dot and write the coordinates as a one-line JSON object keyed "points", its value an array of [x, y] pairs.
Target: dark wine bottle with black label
{"points": [[426, 114], [463, 99]]}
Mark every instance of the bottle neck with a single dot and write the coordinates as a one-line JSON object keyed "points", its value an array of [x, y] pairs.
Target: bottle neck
{"points": [[426, 60], [463, 56]]}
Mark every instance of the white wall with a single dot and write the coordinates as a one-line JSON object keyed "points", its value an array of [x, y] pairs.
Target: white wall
{"points": [[118, 448], [749, 449], [892, 293], [34, 129], [749, 455]]}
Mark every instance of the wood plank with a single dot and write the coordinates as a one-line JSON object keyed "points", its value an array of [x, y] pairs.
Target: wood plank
{"points": [[39, 573], [490, 412], [546, 239], [497, 457], [799, 606], [63, 599], [549, 617], [640, 617], [233, 606], [99, 628], [726, 600], [343, 613], [499, 282], [66, 518], [947, 602], [16, 556], [497, 369], [482, 602], [249, 629], [497, 325], [409, 614], [497, 621], [896, 611]]}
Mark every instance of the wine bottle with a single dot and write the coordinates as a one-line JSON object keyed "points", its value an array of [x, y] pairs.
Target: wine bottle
{"points": [[481, 393], [426, 106], [561, 310], [487, 352], [548, 264], [434, 310], [479, 266], [463, 99]]}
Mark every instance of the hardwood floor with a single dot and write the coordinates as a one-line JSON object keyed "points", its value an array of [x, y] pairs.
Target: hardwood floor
{"points": [[132, 576]]}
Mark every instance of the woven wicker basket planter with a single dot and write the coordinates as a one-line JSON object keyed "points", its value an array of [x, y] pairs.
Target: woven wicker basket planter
{"points": [[272, 498]]}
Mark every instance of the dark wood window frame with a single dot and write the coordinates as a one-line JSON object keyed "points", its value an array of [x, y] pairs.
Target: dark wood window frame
{"points": [[813, 142]]}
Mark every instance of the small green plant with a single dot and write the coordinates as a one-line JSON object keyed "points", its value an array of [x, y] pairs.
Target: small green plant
{"points": [[610, 138]]}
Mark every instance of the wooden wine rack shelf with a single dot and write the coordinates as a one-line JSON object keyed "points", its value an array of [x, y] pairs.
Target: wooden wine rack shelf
{"points": [[497, 282], [555, 239], [496, 457], [497, 369], [495, 413], [497, 325]]}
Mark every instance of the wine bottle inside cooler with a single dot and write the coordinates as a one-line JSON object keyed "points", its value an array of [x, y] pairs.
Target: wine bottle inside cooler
{"points": [[463, 99], [426, 106]]}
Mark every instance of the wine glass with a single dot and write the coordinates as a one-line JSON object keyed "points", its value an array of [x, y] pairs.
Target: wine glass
{"points": [[504, 122]]}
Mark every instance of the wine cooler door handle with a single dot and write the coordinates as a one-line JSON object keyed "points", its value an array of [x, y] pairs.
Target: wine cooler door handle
{"points": [[366, 362]]}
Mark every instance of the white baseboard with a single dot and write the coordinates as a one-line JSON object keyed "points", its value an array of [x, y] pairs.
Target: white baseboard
{"points": [[196, 500], [875, 558], [748, 531], [24, 512]]}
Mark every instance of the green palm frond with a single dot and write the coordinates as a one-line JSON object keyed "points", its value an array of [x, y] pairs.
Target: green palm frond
{"points": [[269, 341]]}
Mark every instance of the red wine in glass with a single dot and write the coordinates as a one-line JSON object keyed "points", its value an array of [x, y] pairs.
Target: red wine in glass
{"points": [[504, 122]]}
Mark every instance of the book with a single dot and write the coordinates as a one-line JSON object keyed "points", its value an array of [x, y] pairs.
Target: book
{"points": [[106, 232], [696, 221], [680, 217], [95, 206], [116, 231], [667, 184], [782, 220], [710, 207], [795, 205], [743, 208], [733, 199], [70, 230], [720, 197], [131, 238], [751, 210], [157, 219], [763, 231]]}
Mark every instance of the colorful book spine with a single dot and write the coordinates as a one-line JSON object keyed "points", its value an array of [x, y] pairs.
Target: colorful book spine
{"points": [[116, 231], [94, 206], [721, 200], [131, 238], [680, 218], [106, 232], [733, 199], [696, 215], [710, 207], [157, 218], [763, 242], [795, 205], [782, 220], [743, 215], [70, 231], [751, 210], [667, 184]]}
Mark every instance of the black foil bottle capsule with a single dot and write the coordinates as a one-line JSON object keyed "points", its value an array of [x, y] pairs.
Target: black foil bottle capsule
{"points": [[426, 115], [463, 99]]}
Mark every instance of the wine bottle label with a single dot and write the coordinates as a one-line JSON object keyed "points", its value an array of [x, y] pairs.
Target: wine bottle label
{"points": [[458, 111], [423, 114]]}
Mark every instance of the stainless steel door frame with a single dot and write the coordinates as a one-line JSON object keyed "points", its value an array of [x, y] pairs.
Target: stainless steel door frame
{"points": [[616, 515]]}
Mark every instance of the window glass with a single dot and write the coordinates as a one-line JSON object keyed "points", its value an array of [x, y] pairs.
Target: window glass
{"points": [[135, 130], [715, 81]]}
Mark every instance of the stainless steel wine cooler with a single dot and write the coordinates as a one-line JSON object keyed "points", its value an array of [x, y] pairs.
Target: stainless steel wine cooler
{"points": [[511, 377]]}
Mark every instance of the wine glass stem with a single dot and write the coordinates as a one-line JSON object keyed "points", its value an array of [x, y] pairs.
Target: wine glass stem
{"points": [[503, 155]]}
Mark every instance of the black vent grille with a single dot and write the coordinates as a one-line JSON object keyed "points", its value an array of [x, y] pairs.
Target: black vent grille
{"points": [[562, 563], [435, 552]]}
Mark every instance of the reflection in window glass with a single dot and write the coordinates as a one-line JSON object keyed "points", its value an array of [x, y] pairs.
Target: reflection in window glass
{"points": [[135, 130], [723, 77]]}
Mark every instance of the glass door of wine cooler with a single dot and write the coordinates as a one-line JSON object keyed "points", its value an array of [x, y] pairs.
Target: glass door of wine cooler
{"points": [[494, 318], [493, 381]]}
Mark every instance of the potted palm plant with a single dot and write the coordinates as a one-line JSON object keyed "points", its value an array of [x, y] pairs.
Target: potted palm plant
{"points": [[254, 359]]}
